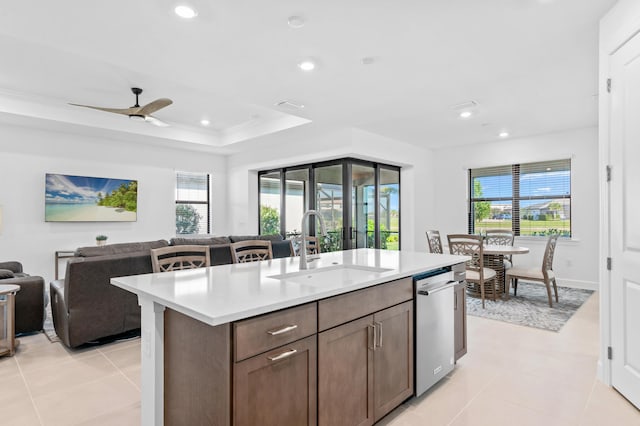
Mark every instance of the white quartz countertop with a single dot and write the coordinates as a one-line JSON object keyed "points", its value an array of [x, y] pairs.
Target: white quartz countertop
{"points": [[225, 293]]}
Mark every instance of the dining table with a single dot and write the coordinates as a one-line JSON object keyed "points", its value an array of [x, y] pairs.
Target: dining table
{"points": [[494, 256]]}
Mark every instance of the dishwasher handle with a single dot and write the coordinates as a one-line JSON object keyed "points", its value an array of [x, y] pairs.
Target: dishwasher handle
{"points": [[431, 288]]}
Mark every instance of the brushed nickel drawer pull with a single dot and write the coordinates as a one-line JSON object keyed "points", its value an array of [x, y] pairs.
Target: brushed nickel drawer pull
{"points": [[370, 338], [283, 330], [379, 325], [283, 355]]}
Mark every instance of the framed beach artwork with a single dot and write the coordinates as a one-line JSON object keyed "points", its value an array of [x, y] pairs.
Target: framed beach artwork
{"points": [[90, 199]]}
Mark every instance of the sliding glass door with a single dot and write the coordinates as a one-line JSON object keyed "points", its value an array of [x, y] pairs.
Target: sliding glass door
{"points": [[389, 205], [297, 200], [329, 202], [363, 191], [358, 200]]}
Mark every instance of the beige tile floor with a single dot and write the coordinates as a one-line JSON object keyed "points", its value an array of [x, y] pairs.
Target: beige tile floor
{"points": [[512, 375]]}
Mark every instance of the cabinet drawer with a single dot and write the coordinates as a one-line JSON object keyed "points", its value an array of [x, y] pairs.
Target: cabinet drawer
{"points": [[277, 387], [340, 309], [260, 334]]}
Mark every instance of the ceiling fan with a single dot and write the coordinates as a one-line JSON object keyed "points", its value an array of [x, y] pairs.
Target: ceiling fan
{"points": [[137, 112]]}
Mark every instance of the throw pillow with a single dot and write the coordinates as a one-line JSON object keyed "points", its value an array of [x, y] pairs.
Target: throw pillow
{"points": [[5, 273]]}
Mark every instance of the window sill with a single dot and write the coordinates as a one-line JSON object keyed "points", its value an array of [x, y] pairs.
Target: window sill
{"points": [[544, 239]]}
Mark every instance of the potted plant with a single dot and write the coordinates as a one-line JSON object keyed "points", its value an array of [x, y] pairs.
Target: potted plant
{"points": [[101, 240]]}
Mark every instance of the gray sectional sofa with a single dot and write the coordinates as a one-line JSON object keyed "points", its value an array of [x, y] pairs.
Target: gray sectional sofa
{"points": [[87, 308]]}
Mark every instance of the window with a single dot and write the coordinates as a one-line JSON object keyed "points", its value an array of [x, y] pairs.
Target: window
{"points": [[270, 202], [193, 214], [530, 199]]}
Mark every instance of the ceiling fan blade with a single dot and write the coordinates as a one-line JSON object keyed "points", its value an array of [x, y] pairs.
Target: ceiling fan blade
{"points": [[155, 106], [151, 119], [124, 111]]}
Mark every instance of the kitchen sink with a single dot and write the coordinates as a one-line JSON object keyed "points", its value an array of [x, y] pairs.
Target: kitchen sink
{"points": [[336, 273]]}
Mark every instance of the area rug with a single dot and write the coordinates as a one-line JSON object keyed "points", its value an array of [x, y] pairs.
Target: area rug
{"points": [[48, 329], [531, 306]]}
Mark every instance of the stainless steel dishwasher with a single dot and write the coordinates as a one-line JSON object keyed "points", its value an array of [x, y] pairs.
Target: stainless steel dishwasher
{"points": [[434, 298]]}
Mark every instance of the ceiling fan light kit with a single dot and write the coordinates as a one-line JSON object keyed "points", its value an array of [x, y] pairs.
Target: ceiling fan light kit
{"points": [[137, 112]]}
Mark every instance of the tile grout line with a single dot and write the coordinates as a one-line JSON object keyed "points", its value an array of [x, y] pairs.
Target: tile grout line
{"points": [[471, 400], [120, 371], [584, 410], [26, 385]]}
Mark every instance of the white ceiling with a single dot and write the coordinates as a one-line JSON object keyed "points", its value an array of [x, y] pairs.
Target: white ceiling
{"points": [[530, 64]]}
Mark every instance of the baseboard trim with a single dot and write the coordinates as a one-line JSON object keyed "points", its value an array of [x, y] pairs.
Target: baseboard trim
{"points": [[584, 285]]}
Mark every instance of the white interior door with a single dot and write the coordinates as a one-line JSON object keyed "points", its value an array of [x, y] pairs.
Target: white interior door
{"points": [[625, 220]]}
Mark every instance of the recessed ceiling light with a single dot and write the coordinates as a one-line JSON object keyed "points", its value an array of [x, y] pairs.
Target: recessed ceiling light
{"points": [[466, 114], [307, 65], [295, 21], [186, 12], [504, 134], [205, 122]]}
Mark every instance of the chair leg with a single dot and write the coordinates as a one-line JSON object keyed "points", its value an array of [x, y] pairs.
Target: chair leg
{"points": [[515, 287], [482, 293], [494, 287], [507, 283], [546, 283], [555, 289]]}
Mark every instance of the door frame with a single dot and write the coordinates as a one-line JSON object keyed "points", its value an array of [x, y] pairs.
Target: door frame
{"points": [[617, 27]]}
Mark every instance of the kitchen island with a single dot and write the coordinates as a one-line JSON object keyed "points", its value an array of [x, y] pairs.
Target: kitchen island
{"points": [[250, 343]]}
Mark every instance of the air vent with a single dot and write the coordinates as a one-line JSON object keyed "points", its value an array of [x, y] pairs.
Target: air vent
{"points": [[465, 106], [289, 104]]}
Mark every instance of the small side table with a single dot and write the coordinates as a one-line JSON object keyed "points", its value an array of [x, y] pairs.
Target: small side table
{"points": [[8, 342]]}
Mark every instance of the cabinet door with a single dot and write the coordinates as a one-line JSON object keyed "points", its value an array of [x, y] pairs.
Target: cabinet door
{"points": [[345, 366], [278, 387], [393, 358], [460, 321]]}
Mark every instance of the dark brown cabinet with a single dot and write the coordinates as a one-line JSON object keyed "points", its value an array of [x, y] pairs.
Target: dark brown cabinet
{"points": [[345, 365], [460, 320], [344, 360], [393, 358], [278, 387], [365, 367]]}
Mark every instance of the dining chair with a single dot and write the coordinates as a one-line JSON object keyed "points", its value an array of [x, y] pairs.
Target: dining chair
{"points": [[434, 241], [544, 274], [313, 246], [251, 251], [175, 258], [500, 237], [476, 273]]}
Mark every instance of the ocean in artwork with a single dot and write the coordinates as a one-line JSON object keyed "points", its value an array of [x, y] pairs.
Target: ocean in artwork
{"points": [[90, 199]]}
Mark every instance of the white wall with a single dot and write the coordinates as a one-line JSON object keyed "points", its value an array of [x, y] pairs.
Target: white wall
{"points": [[576, 262], [300, 147], [26, 154]]}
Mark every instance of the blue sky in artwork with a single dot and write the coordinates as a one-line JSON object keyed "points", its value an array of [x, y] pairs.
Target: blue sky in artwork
{"points": [[65, 189]]}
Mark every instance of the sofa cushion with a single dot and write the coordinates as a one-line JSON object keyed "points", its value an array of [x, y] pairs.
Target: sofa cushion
{"points": [[274, 237], [122, 248], [5, 273], [199, 240]]}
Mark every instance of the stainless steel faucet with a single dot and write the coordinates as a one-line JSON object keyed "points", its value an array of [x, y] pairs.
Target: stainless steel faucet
{"points": [[303, 247]]}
